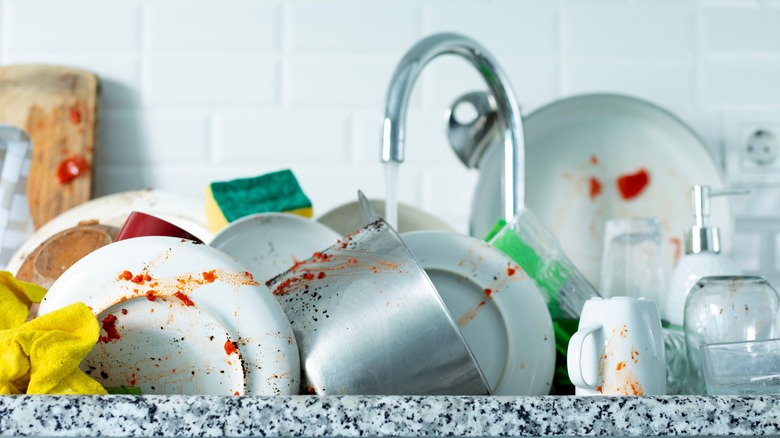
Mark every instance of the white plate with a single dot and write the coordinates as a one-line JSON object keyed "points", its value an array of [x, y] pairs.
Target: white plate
{"points": [[246, 310], [499, 309], [187, 213], [605, 136], [270, 243], [348, 218]]}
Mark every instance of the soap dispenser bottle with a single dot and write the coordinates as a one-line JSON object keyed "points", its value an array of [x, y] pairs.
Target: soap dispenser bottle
{"points": [[702, 256]]}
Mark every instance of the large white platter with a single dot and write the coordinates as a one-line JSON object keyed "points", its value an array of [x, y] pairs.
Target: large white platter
{"points": [[497, 307], [603, 137], [229, 306]]}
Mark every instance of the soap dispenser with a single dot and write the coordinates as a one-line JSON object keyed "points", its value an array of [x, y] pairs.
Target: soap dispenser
{"points": [[702, 256]]}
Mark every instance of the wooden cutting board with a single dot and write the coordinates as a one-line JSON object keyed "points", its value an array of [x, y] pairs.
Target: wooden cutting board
{"points": [[57, 107]]}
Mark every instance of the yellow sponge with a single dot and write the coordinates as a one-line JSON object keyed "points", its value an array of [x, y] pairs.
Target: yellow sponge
{"points": [[279, 191]]}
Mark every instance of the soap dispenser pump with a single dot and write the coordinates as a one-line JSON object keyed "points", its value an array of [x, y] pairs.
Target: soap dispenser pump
{"points": [[702, 256]]}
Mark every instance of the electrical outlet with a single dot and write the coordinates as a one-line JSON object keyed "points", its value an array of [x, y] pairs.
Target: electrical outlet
{"points": [[762, 147]]}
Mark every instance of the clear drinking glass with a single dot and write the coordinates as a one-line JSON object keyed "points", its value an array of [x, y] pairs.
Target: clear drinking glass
{"points": [[633, 259], [742, 368], [727, 309]]}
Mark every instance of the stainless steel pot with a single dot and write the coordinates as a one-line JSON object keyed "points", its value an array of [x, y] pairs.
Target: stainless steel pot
{"points": [[368, 320]]}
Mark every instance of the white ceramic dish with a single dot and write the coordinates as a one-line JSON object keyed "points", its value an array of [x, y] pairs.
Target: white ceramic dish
{"points": [[348, 218], [270, 243], [499, 310], [222, 290], [187, 213], [603, 136]]}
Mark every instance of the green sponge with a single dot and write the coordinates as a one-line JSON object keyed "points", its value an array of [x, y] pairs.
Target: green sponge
{"points": [[279, 191]]}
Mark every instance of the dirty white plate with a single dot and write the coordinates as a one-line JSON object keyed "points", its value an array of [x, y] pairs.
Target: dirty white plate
{"points": [[348, 218], [227, 303], [497, 307], [270, 243], [578, 148], [185, 212]]}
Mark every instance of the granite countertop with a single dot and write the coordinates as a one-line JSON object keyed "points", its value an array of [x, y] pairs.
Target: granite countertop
{"points": [[347, 416]]}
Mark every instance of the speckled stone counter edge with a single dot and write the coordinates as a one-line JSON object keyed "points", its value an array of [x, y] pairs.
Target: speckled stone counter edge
{"points": [[347, 416]]}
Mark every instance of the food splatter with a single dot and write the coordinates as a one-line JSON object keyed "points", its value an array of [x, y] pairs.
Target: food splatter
{"points": [[633, 184], [230, 347], [209, 276], [75, 115], [109, 326], [184, 298], [70, 168], [675, 242], [595, 187]]}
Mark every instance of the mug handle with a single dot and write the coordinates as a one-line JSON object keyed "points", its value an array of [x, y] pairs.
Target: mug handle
{"points": [[574, 355]]}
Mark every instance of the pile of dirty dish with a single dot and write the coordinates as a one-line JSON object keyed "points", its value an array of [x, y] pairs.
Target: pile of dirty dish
{"points": [[210, 301]]}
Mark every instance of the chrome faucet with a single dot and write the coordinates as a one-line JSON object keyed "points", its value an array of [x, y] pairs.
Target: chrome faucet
{"points": [[508, 112]]}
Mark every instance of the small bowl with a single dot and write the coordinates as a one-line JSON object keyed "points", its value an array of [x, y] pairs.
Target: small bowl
{"points": [[369, 321], [142, 225]]}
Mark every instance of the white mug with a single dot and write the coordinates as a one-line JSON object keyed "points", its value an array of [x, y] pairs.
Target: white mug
{"points": [[618, 349]]}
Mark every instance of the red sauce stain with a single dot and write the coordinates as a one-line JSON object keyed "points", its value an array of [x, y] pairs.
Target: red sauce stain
{"points": [[209, 276], [184, 298], [634, 355], [71, 168], [75, 115], [124, 311], [675, 241], [133, 381], [236, 393], [510, 270], [594, 160], [636, 389], [600, 389], [284, 286], [374, 269], [489, 293], [109, 326], [620, 366], [470, 314], [151, 295], [623, 331], [125, 275], [321, 275], [249, 275], [230, 347], [307, 276], [138, 279], [631, 185], [595, 187]]}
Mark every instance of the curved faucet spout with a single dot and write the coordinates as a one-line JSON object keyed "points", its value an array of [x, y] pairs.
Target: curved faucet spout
{"points": [[508, 112]]}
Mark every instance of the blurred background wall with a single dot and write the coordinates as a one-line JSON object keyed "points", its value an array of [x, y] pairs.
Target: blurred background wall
{"points": [[202, 90]]}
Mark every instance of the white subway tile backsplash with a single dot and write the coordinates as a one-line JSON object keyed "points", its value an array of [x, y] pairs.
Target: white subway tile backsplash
{"points": [[743, 252], [534, 83], [742, 82], [240, 79], [119, 75], [73, 26], [665, 83], [741, 30], [354, 25], [276, 138], [339, 82], [117, 178], [502, 27], [629, 29], [201, 90], [206, 25], [153, 137]]}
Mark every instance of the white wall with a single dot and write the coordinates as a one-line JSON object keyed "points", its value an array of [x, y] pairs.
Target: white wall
{"points": [[204, 90]]}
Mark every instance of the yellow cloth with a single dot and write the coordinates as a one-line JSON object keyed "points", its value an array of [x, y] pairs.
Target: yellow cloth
{"points": [[42, 356]]}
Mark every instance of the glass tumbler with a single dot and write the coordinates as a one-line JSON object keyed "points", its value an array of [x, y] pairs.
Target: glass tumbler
{"points": [[633, 260], [727, 309]]}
